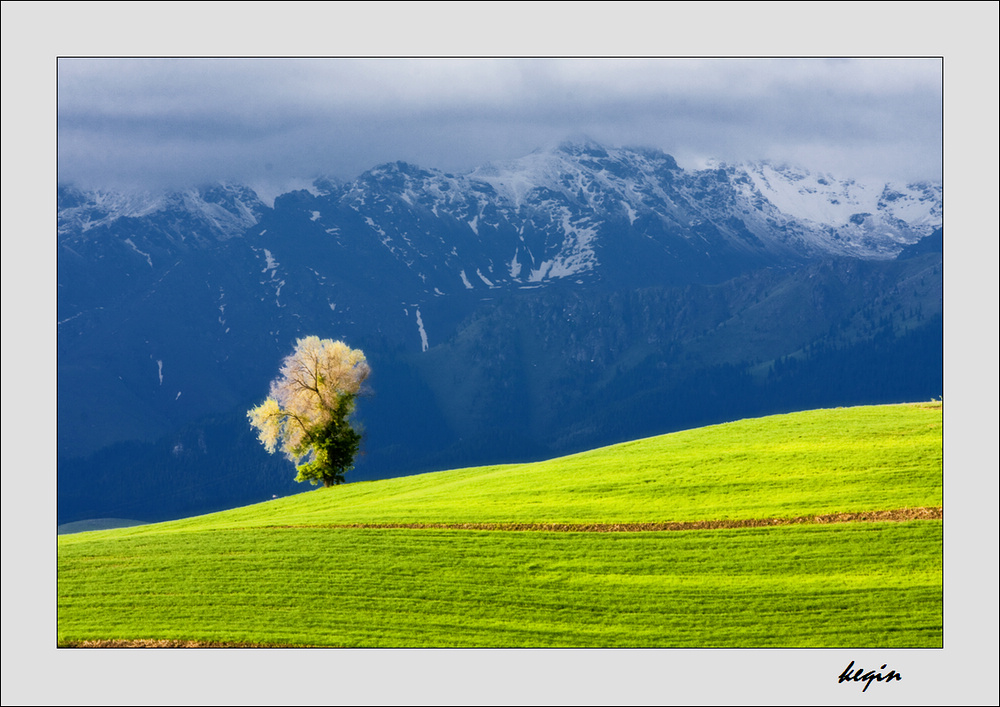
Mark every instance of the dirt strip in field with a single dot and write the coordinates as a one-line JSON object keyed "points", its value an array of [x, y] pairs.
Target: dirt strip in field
{"points": [[900, 514], [165, 643]]}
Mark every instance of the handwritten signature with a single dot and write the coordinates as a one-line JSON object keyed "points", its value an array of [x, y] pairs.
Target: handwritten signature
{"points": [[851, 674]]}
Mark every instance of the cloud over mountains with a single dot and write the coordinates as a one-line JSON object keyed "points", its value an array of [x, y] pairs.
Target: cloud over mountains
{"points": [[169, 122]]}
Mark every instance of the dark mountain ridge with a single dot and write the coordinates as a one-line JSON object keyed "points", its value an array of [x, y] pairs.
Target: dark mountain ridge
{"points": [[569, 299]]}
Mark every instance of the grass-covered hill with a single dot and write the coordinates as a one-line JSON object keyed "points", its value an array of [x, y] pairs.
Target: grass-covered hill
{"points": [[819, 528]]}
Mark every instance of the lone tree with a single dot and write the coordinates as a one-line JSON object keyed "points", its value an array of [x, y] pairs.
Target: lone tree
{"points": [[307, 414]]}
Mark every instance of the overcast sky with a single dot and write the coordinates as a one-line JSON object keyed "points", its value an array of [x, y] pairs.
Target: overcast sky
{"points": [[177, 122]]}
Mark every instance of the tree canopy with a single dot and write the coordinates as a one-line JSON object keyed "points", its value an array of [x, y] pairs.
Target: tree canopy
{"points": [[307, 415]]}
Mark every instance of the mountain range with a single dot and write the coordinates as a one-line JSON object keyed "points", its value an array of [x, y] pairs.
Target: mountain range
{"points": [[574, 297]]}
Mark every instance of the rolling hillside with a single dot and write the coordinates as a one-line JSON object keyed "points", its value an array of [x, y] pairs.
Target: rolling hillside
{"points": [[758, 557]]}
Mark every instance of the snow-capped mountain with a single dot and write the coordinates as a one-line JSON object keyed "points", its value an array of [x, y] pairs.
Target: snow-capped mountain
{"points": [[847, 217], [214, 213], [523, 309], [564, 213], [552, 215], [786, 209]]}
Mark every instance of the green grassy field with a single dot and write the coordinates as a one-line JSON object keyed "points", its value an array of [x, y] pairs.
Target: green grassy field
{"points": [[288, 572]]}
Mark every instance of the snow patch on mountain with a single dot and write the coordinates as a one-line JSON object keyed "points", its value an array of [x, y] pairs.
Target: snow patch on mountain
{"points": [[484, 278], [629, 211], [222, 307], [514, 267], [918, 204], [576, 255], [869, 218], [271, 264], [819, 198], [69, 319], [423, 332], [228, 210], [140, 252]]}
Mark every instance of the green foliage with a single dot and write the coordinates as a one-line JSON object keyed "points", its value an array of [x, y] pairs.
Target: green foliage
{"points": [[334, 447], [307, 415]]}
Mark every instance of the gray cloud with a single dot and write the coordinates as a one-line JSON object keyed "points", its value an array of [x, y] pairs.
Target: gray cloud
{"points": [[173, 122]]}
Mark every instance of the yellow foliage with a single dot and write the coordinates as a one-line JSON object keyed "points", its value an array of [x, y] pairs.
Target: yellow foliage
{"points": [[316, 388]]}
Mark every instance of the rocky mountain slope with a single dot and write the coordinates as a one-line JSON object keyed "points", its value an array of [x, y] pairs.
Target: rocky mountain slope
{"points": [[566, 299]]}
